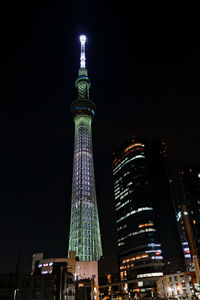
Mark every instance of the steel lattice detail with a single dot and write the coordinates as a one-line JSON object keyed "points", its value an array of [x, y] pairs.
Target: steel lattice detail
{"points": [[84, 226]]}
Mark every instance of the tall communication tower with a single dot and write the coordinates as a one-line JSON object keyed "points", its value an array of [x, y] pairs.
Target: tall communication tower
{"points": [[84, 235]]}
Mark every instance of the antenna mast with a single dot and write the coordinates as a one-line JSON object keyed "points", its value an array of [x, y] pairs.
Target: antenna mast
{"points": [[82, 58]]}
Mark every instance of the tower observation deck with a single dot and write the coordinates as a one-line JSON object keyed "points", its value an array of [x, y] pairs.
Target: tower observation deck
{"points": [[84, 235]]}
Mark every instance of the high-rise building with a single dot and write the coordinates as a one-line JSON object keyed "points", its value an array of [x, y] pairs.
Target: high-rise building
{"points": [[84, 235], [190, 183], [140, 254], [148, 235], [184, 240], [164, 196]]}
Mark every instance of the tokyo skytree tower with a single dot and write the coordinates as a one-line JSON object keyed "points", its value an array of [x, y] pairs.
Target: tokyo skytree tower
{"points": [[84, 235]]}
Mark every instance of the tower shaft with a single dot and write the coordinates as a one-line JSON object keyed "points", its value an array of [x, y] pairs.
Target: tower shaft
{"points": [[84, 225]]}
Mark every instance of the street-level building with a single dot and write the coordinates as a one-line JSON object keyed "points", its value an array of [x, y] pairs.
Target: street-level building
{"points": [[178, 285]]}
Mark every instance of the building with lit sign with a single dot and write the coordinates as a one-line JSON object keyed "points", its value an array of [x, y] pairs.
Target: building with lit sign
{"points": [[184, 240], [148, 234], [190, 183], [140, 252], [84, 235], [164, 198], [41, 265]]}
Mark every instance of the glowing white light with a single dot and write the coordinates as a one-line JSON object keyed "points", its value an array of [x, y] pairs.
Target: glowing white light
{"points": [[82, 58], [140, 283], [155, 274], [82, 39], [186, 249], [154, 245], [187, 255]]}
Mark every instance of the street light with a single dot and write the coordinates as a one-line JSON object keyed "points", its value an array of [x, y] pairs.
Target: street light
{"points": [[15, 293]]}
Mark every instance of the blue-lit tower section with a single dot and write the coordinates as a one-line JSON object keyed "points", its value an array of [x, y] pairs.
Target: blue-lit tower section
{"points": [[84, 235], [140, 254]]}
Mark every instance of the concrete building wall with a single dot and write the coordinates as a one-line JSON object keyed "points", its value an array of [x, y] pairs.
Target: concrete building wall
{"points": [[87, 269], [172, 285]]}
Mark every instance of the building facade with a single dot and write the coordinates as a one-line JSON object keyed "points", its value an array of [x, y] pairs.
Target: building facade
{"points": [[84, 235], [140, 253], [148, 237], [184, 240], [164, 199], [190, 183], [37, 286], [177, 285]]}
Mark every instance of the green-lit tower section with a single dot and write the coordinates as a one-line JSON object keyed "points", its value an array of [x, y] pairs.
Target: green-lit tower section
{"points": [[84, 235]]}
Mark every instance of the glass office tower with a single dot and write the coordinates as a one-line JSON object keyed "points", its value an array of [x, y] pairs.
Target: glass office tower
{"points": [[140, 253]]}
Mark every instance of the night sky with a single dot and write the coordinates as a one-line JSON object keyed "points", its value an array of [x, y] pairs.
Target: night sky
{"points": [[143, 62]]}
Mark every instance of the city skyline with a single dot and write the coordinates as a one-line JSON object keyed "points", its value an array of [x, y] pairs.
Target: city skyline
{"points": [[145, 81]]}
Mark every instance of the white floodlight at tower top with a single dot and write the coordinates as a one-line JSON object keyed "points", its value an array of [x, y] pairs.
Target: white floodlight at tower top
{"points": [[82, 39], [82, 58]]}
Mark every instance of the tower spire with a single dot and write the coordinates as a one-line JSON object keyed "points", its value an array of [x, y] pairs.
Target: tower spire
{"points": [[82, 82], [82, 57], [84, 236]]}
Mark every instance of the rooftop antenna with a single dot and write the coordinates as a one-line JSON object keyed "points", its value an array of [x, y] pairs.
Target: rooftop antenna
{"points": [[82, 58]]}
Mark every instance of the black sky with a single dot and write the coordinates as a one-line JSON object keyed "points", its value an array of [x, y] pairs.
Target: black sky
{"points": [[143, 62]]}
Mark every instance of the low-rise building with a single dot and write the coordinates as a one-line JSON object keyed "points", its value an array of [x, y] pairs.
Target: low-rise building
{"points": [[176, 285]]}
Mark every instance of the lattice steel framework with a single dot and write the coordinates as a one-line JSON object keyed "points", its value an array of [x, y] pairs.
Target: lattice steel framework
{"points": [[84, 236]]}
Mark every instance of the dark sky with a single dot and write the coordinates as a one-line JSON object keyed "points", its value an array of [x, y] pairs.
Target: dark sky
{"points": [[143, 62]]}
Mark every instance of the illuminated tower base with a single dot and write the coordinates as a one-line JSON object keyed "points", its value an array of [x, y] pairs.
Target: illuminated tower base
{"points": [[84, 226]]}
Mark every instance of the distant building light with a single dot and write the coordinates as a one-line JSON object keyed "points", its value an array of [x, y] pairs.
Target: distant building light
{"points": [[199, 175], [185, 213], [155, 274], [185, 243], [187, 255], [186, 249], [178, 216], [153, 251], [80, 285], [154, 245], [140, 283]]}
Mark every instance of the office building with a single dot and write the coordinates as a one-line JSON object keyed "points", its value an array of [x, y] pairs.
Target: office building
{"points": [[140, 253], [164, 198], [184, 240], [148, 236], [190, 183]]}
